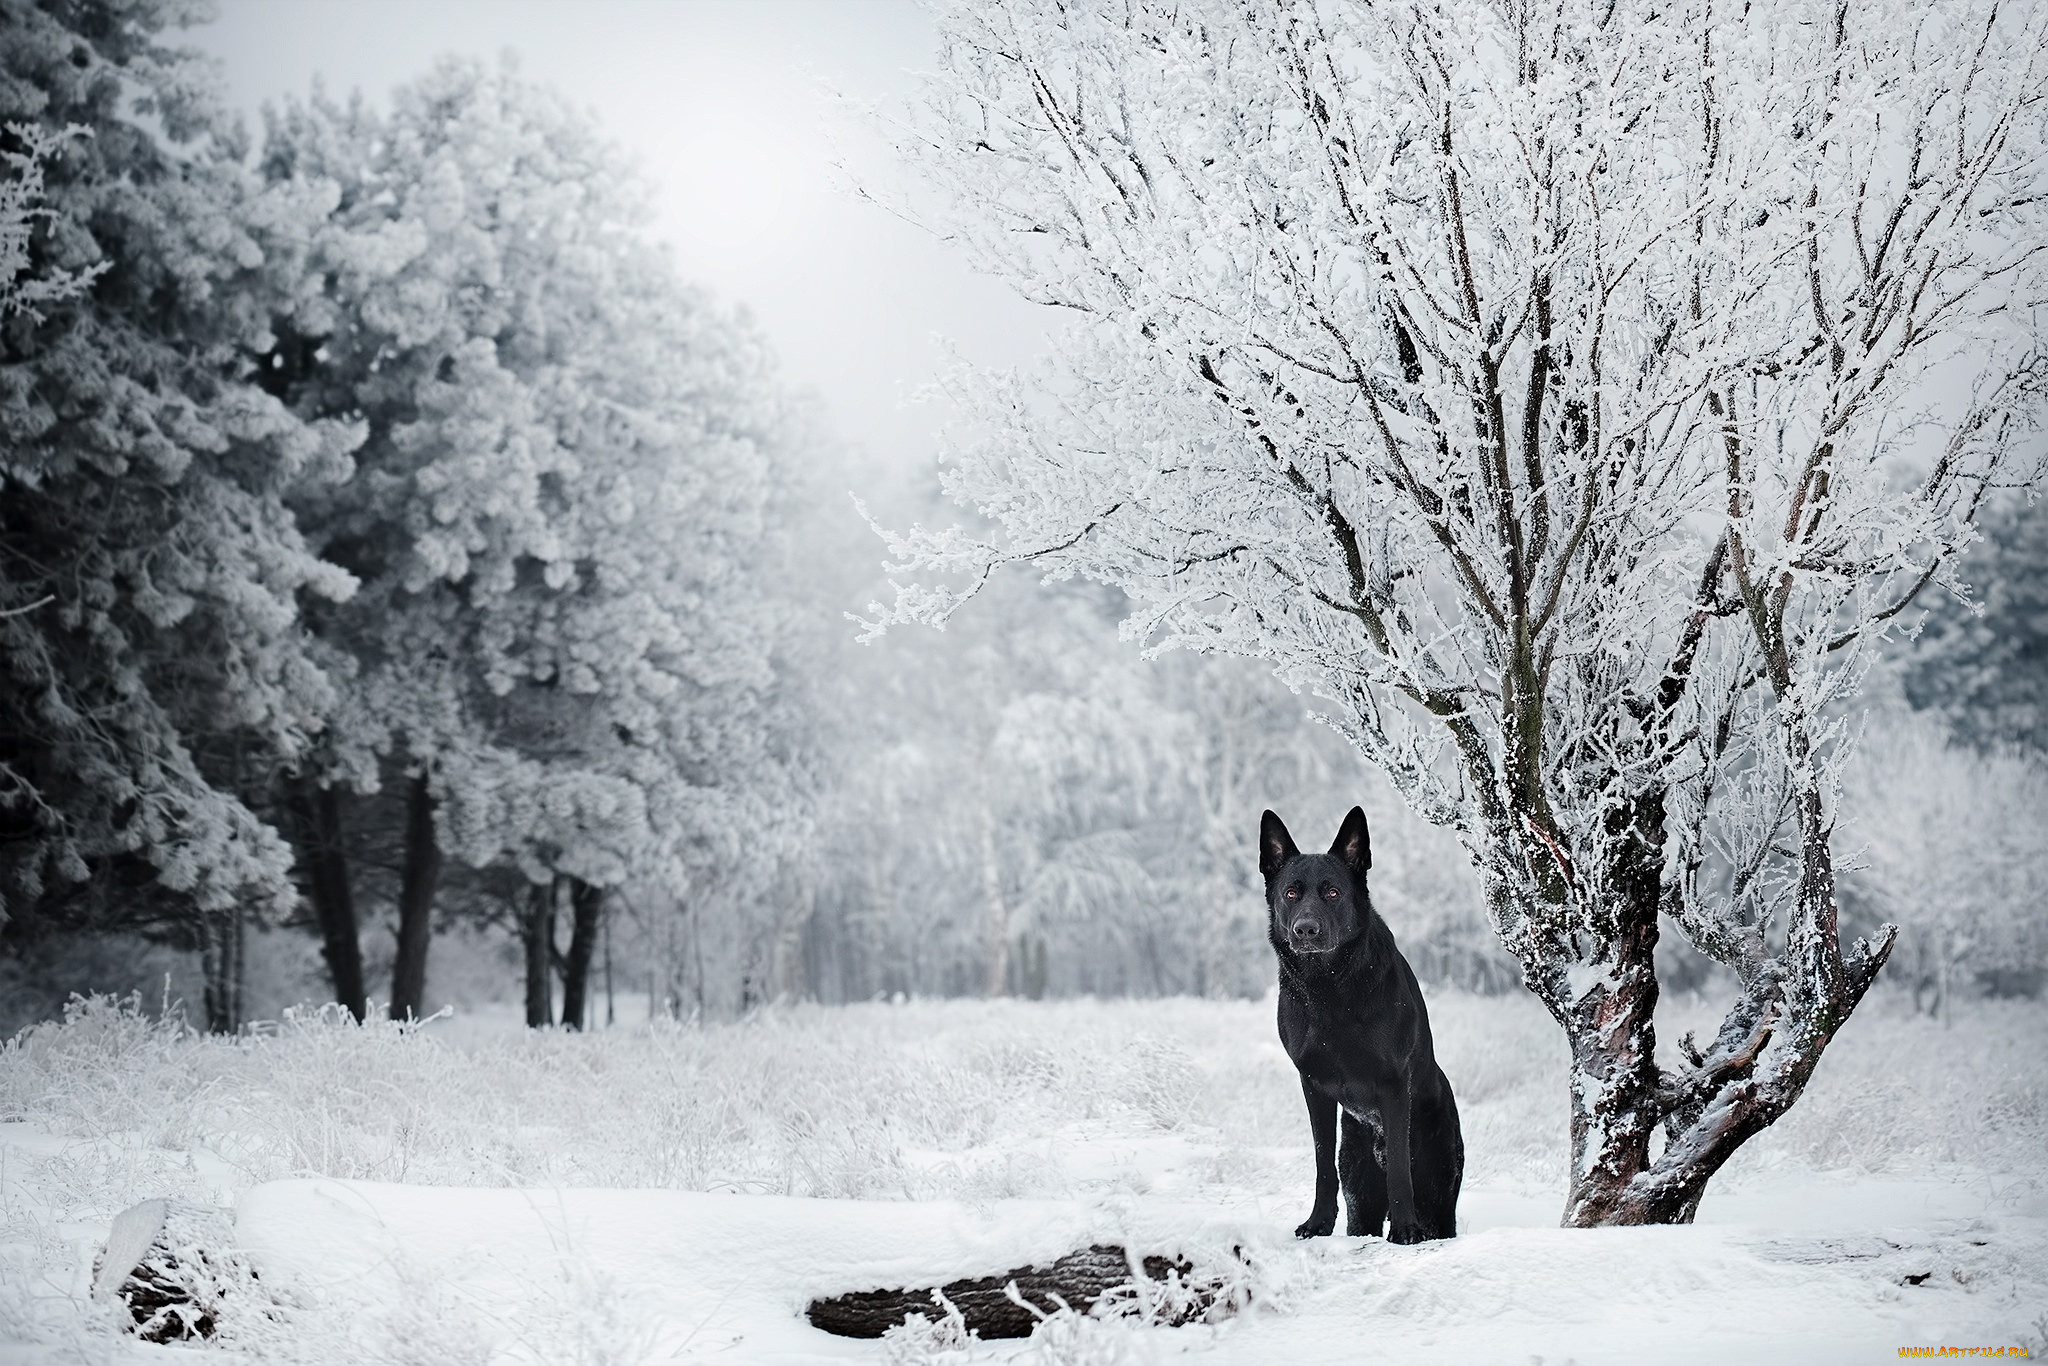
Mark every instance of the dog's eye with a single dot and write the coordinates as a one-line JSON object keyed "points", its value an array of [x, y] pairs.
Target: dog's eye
{"points": [[1294, 892], [1329, 893]]}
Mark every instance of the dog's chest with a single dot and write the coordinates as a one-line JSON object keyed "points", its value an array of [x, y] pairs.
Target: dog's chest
{"points": [[1339, 1057], [1348, 1086], [1369, 1118]]}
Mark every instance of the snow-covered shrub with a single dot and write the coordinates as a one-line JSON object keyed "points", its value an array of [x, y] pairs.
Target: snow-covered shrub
{"points": [[938, 1339]]}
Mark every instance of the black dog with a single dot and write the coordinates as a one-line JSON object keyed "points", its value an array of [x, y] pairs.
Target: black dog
{"points": [[1352, 1018]]}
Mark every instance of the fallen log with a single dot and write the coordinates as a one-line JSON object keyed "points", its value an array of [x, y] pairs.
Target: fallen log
{"points": [[170, 1264], [1080, 1280]]}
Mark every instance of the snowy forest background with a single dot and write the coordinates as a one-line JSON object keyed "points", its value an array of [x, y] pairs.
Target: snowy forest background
{"points": [[413, 593]]}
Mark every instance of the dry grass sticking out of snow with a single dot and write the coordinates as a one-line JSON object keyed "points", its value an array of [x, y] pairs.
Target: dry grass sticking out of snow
{"points": [[1131, 1105], [922, 1100]]}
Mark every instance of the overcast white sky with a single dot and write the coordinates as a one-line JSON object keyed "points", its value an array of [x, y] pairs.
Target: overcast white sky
{"points": [[723, 102]]}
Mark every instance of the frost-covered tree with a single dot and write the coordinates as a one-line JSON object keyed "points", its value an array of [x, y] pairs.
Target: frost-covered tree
{"points": [[643, 736], [1084, 772], [1566, 393], [1121, 799], [1983, 664], [568, 462], [22, 287], [1075, 817], [1954, 845], [154, 674]]}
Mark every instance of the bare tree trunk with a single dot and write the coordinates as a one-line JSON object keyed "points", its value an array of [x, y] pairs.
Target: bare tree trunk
{"points": [[238, 979], [1032, 953], [1610, 1021], [1756, 1069], [998, 930], [220, 954], [785, 959], [587, 904], [415, 903], [697, 953], [537, 935], [1613, 1038], [327, 883]]}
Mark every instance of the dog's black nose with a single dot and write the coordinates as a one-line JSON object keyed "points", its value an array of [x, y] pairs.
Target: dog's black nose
{"points": [[1308, 929]]}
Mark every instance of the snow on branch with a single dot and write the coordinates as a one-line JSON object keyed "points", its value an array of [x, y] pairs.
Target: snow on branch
{"points": [[21, 206]]}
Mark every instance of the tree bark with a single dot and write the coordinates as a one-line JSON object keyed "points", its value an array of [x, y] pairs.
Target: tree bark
{"points": [[1612, 1033], [1611, 1026], [537, 934], [415, 903], [327, 884], [173, 1269], [1079, 1278], [238, 980], [220, 955], [1756, 1069], [587, 903]]}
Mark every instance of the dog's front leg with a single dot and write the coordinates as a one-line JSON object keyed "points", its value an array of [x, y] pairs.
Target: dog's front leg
{"points": [[1402, 1225], [1322, 1123]]}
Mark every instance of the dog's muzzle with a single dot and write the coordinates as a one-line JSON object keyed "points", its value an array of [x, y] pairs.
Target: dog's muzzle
{"points": [[1308, 936]]}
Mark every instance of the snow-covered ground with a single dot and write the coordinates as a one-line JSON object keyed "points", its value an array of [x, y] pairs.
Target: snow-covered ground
{"points": [[469, 1192]]}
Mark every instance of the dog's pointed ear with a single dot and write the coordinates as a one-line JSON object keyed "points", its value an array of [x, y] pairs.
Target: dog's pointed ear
{"points": [[1276, 846], [1353, 843]]}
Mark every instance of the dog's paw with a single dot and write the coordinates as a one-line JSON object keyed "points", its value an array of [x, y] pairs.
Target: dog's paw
{"points": [[1317, 1226], [1407, 1233]]}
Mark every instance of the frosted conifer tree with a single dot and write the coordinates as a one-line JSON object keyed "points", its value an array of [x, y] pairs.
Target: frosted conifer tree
{"points": [[22, 287], [1567, 394], [1983, 663], [568, 463], [153, 670]]}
